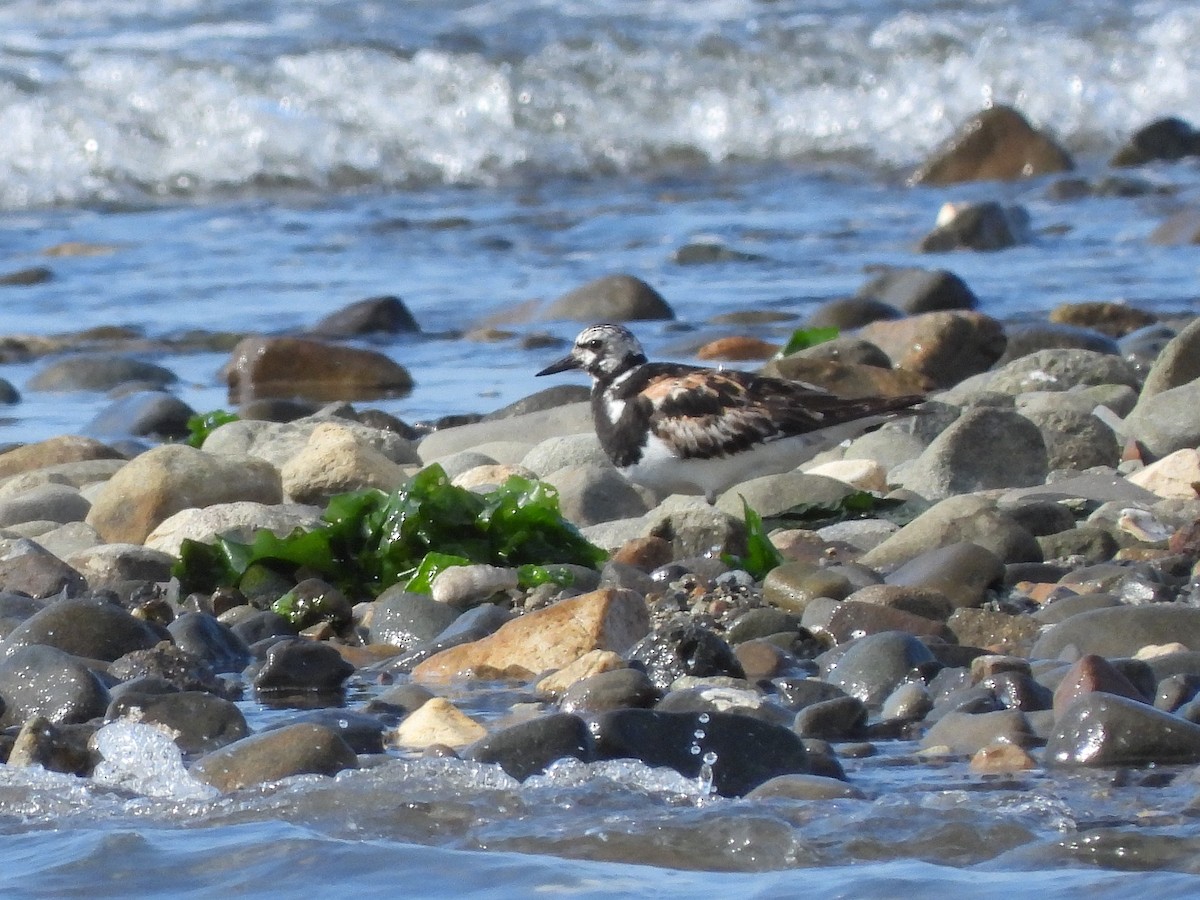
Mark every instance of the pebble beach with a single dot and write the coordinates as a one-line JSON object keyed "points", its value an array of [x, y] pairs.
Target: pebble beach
{"points": [[959, 652]]}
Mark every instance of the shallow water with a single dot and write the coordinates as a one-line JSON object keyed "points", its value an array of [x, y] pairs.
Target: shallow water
{"points": [[250, 165]]}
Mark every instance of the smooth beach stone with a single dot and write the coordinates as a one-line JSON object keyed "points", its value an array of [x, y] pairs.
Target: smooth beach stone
{"points": [[239, 520], [336, 460], [725, 699], [996, 143], [1089, 674], [1062, 370], [1087, 542], [199, 722], [741, 752], [617, 689], [1168, 138], [361, 730], [852, 619], [851, 350], [962, 573], [399, 700], [470, 626], [1121, 631], [837, 719], [684, 650], [593, 493], [548, 638], [874, 666], [1183, 662], [547, 398], [144, 414], [301, 749], [847, 380], [805, 787], [963, 732], [965, 518], [1177, 364], [523, 431], [916, 290], [1031, 337], [770, 495], [460, 587], [1040, 517], [592, 663], [437, 722], [1100, 729], [910, 702], [296, 665], [945, 346], [299, 367], [527, 748], [1174, 691], [91, 629], [986, 225], [764, 658], [46, 502], [403, 619], [759, 623], [984, 448], [791, 587], [1172, 477], [109, 565], [611, 298], [258, 625], [93, 372], [1018, 690], [277, 442], [1167, 421], [998, 631], [28, 568], [373, 315], [919, 600], [206, 638], [166, 479], [40, 680], [797, 693], [560, 451], [54, 451], [850, 313]]}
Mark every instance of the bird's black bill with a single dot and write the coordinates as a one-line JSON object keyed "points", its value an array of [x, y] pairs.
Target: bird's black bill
{"points": [[562, 365]]}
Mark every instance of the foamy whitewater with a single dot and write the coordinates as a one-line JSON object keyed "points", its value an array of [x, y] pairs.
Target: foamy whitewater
{"points": [[250, 165]]}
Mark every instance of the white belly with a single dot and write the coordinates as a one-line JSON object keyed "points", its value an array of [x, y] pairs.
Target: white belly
{"points": [[664, 473]]}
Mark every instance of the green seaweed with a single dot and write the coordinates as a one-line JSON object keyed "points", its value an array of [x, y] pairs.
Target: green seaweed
{"points": [[201, 425], [761, 555], [803, 338], [370, 540]]}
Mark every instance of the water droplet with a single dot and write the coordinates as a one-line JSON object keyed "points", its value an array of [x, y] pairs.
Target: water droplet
{"points": [[702, 718], [709, 758]]}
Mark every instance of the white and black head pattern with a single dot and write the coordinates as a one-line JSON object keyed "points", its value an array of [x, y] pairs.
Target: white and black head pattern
{"points": [[676, 427], [603, 351]]}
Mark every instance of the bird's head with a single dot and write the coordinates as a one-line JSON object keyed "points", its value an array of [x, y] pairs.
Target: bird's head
{"points": [[603, 351]]}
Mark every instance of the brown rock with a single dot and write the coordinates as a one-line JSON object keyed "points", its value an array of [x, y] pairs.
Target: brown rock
{"points": [[945, 346], [297, 367], [737, 349], [644, 553], [167, 479], [594, 662], [995, 631], [919, 601], [550, 638], [1000, 758], [848, 380], [851, 619], [761, 659], [1089, 674], [996, 144], [302, 749], [1179, 229], [65, 449], [1114, 319]]}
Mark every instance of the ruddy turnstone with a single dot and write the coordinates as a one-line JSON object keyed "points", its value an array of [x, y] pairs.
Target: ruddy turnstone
{"points": [[684, 429]]}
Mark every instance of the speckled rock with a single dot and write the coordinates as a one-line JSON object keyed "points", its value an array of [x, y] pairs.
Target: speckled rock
{"points": [[997, 143], [874, 666], [335, 461], [92, 629], [944, 346], [681, 651], [1061, 370], [1073, 439], [39, 680], [199, 722], [1100, 729], [297, 665], [1167, 421], [27, 567]]}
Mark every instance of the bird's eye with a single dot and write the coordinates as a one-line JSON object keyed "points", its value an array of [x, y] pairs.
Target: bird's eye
{"points": [[593, 344]]}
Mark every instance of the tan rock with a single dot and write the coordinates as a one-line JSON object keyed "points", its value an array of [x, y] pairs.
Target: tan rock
{"points": [[301, 749], [167, 479], [493, 475], [241, 520], [592, 663], [550, 638], [998, 758], [436, 721], [864, 474], [299, 367], [1172, 477], [997, 143], [737, 349], [1153, 651], [56, 450], [336, 460], [849, 380]]}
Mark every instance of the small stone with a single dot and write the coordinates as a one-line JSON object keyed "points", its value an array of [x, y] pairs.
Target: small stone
{"points": [[301, 749], [997, 759], [437, 722], [588, 665]]}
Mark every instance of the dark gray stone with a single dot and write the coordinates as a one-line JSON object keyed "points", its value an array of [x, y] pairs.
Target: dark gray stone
{"points": [[92, 629], [618, 689], [874, 666], [87, 372], [208, 639], [301, 749], [527, 748], [298, 666], [1102, 729], [200, 721], [685, 650], [143, 414], [45, 681], [1120, 631]]}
